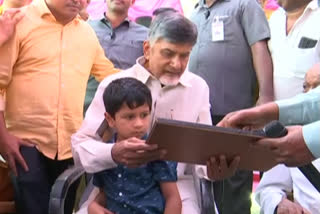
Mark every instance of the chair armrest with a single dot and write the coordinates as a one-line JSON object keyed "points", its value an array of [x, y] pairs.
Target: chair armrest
{"points": [[60, 189]]}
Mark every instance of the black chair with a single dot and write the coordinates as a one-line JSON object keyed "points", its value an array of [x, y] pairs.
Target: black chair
{"points": [[70, 176]]}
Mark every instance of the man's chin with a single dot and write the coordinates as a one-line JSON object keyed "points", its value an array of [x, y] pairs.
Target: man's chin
{"points": [[169, 81]]}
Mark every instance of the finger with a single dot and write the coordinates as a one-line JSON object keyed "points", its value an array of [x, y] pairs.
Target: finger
{"points": [[17, 17], [234, 164], [10, 13], [141, 146], [223, 162], [209, 169]]}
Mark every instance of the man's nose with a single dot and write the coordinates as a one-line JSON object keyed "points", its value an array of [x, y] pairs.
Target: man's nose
{"points": [[176, 63]]}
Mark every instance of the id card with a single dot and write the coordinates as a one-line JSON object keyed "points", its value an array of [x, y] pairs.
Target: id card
{"points": [[217, 30]]}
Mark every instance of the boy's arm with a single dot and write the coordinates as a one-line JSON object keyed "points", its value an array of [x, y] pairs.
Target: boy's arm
{"points": [[97, 205], [172, 197]]}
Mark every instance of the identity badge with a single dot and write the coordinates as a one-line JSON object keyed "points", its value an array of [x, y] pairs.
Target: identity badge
{"points": [[217, 29]]}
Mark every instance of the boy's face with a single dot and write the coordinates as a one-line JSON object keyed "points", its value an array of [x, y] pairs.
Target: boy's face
{"points": [[130, 122], [311, 79]]}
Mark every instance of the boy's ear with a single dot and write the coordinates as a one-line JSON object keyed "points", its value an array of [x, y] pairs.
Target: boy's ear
{"points": [[109, 119]]}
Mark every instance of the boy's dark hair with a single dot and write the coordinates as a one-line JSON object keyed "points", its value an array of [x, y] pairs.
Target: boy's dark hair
{"points": [[163, 10], [126, 90]]}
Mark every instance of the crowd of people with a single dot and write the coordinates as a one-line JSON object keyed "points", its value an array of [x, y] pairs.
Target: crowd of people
{"points": [[84, 93]]}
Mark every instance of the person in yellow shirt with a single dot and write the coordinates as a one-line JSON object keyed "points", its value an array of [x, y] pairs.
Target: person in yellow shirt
{"points": [[44, 69]]}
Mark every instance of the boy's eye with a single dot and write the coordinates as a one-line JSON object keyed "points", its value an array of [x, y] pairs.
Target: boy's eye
{"points": [[144, 115], [130, 117]]}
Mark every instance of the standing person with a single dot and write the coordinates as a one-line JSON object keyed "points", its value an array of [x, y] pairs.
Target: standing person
{"points": [[163, 70], [44, 69], [121, 39], [294, 44], [150, 188], [231, 52]]}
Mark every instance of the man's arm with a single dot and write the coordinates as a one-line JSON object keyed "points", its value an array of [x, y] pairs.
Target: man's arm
{"points": [[9, 144], [273, 187], [256, 30], [262, 63], [172, 197]]}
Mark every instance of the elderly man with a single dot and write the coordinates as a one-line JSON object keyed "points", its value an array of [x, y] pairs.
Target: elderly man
{"points": [[162, 69], [120, 38]]}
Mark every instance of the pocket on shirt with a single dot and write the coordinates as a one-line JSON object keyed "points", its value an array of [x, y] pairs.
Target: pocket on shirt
{"points": [[305, 59]]}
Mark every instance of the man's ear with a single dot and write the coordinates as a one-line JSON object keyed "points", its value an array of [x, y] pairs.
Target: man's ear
{"points": [[146, 49], [109, 119]]}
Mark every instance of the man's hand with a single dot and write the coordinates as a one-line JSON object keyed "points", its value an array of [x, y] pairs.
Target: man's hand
{"points": [[289, 207], [251, 118], [8, 22], [95, 208], [290, 149], [218, 167], [134, 152], [10, 150]]}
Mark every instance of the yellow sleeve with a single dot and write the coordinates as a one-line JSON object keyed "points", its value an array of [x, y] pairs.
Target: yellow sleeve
{"points": [[102, 66]]}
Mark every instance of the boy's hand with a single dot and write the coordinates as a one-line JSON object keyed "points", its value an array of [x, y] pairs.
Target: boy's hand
{"points": [[134, 152], [95, 208]]}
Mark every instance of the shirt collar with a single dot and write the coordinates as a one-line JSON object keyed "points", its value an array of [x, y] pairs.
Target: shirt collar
{"points": [[107, 22], [44, 10], [202, 3], [313, 5], [143, 74]]}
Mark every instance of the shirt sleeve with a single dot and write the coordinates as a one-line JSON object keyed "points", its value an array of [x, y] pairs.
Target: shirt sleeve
{"points": [[102, 66], [164, 171], [311, 135], [9, 52], [301, 109], [88, 148], [254, 21], [273, 187]]}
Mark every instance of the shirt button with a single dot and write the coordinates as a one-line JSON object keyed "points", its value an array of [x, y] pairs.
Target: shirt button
{"points": [[125, 206], [120, 193], [119, 176]]}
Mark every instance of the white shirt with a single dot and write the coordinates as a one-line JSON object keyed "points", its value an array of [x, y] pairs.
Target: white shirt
{"points": [[187, 101], [281, 179], [290, 63]]}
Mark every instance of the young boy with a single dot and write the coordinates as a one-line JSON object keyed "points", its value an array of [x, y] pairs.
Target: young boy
{"points": [[150, 188], [312, 78]]}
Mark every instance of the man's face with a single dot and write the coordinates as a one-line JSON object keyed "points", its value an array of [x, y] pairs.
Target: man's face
{"points": [[66, 9], [130, 122], [119, 6], [292, 5], [166, 61]]}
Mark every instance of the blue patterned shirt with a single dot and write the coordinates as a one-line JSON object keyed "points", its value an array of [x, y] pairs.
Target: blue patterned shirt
{"points": [[136, 190]]}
